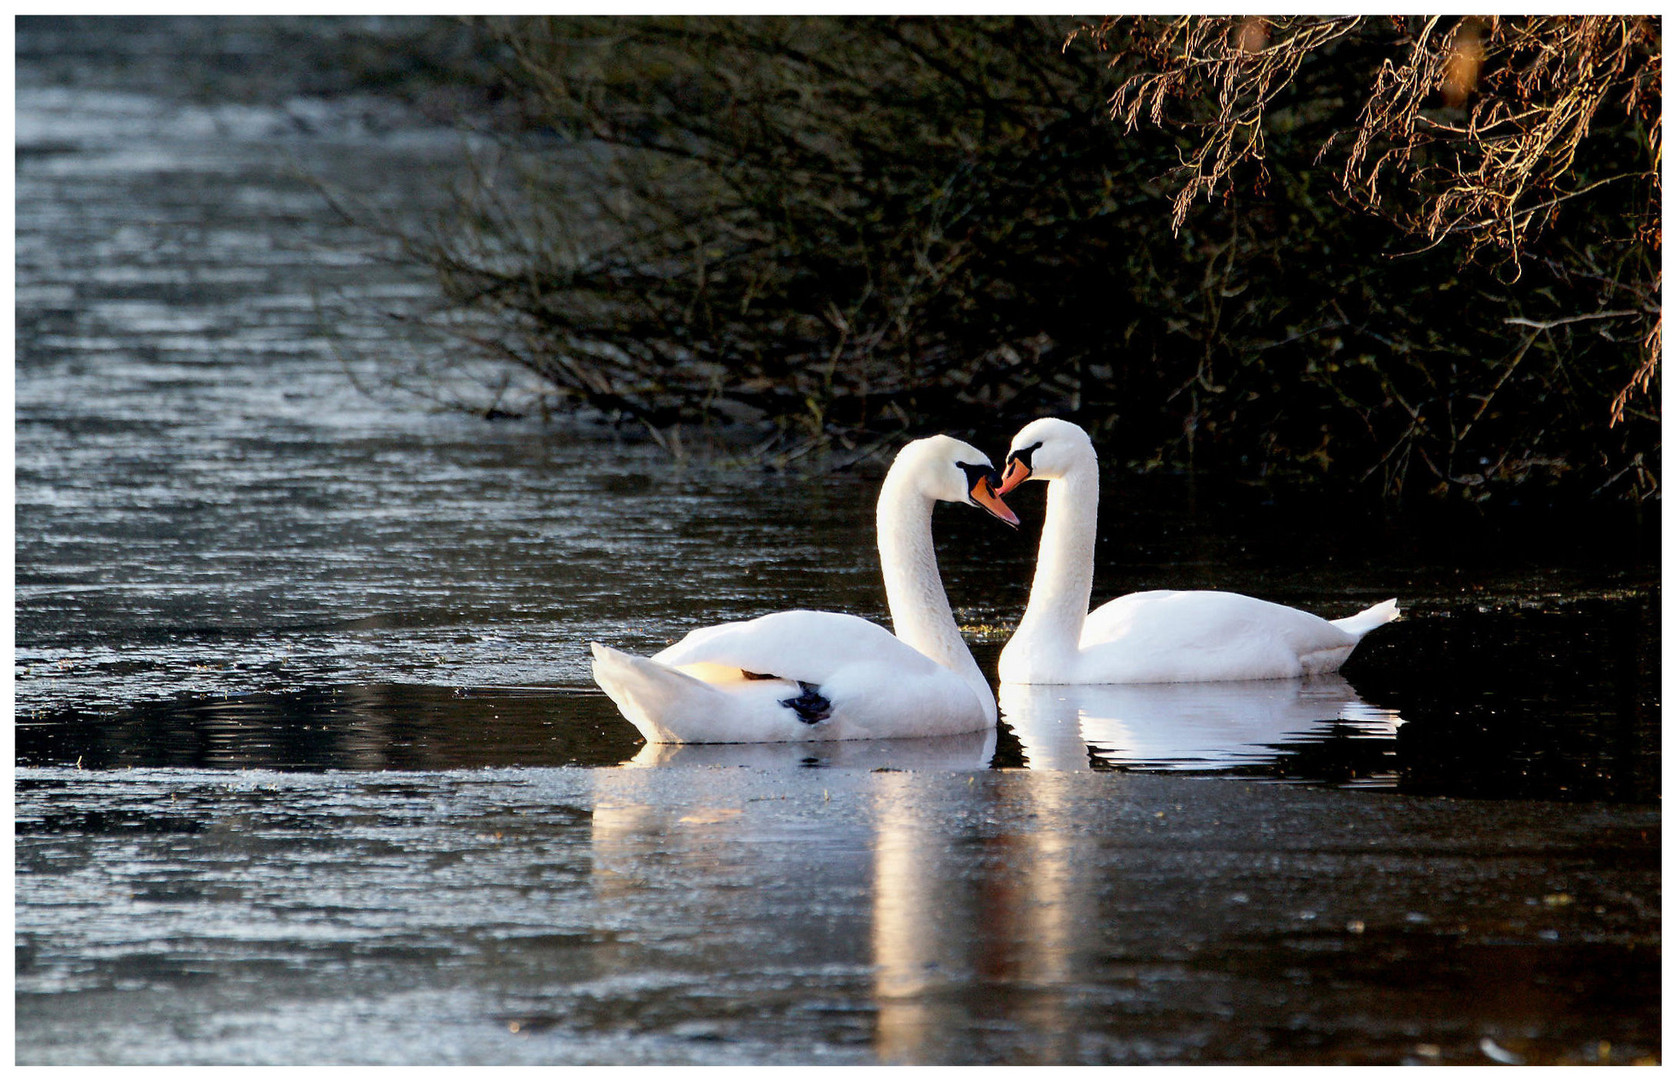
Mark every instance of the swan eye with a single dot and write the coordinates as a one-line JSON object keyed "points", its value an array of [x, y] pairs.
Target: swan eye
{"points": [[1024, 455]]}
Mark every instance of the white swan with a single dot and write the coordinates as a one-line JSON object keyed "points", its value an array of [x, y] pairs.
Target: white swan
{"points": [[1147, 637], [815, 675]]}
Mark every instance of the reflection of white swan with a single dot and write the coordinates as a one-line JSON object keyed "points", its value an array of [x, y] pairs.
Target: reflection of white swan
{"points": [[968, 898], [970, 750], [1147, 637], [802, 676], [1184, 725]]}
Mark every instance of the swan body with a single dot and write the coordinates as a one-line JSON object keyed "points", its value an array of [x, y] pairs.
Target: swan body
{"points": [[1148, 637], [796, 676]]}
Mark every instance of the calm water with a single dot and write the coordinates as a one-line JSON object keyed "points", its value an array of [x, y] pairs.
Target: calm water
{"points": [[307, 744]]}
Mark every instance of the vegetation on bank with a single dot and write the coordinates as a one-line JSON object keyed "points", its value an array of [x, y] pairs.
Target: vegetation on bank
{"points": [[1419, 256]]}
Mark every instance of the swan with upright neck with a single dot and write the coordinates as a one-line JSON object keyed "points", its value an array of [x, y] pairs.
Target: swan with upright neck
{"points": [[797, 676], [1147, 637]]}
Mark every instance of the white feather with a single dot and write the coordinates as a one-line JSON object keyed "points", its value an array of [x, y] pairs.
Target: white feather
{"points": [[1147, 637], [706, 688]]}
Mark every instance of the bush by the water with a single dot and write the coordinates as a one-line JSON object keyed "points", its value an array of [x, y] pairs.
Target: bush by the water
{"points": [[824, 234]]}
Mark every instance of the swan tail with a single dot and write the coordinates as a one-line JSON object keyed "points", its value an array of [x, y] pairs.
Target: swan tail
{"points": [[649, 693], [1370, 619]]}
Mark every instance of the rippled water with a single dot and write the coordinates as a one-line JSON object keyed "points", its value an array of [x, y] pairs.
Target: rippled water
{"points": [[725, 914], [311, 766]]}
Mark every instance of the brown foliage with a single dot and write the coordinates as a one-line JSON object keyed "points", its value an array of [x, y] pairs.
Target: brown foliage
{"points": [[1246, 61], [1470, 129]]}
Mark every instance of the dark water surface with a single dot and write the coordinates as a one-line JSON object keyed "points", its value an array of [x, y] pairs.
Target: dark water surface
{"points": [[753, 912], [310, 767]]}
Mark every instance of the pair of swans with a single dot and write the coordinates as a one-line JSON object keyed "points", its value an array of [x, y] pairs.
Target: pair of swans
{"points": [[816, 675]]}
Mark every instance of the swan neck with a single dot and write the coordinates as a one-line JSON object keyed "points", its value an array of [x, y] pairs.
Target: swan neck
{"points": [[1063, 584], [918, 604]]}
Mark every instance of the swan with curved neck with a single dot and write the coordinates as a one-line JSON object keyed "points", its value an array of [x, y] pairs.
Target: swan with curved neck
{"points": [[1148, 637], [816, 675]]}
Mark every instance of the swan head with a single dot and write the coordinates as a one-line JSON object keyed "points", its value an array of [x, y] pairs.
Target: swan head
{"points": [[947, 470], [1046, 449]]}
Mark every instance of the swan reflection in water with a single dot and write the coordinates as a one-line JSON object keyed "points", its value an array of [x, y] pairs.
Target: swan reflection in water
{"points": [[949, 902], [1187, 726], [971, 750]]}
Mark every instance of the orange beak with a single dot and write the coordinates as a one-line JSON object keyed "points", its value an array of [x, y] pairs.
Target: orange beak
{"points": [[986, 497], [1016, 473]]}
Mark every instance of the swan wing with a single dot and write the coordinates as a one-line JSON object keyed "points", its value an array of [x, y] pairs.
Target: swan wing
{"points": [[807, 646], [1203, 635], [1205, 616]]}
